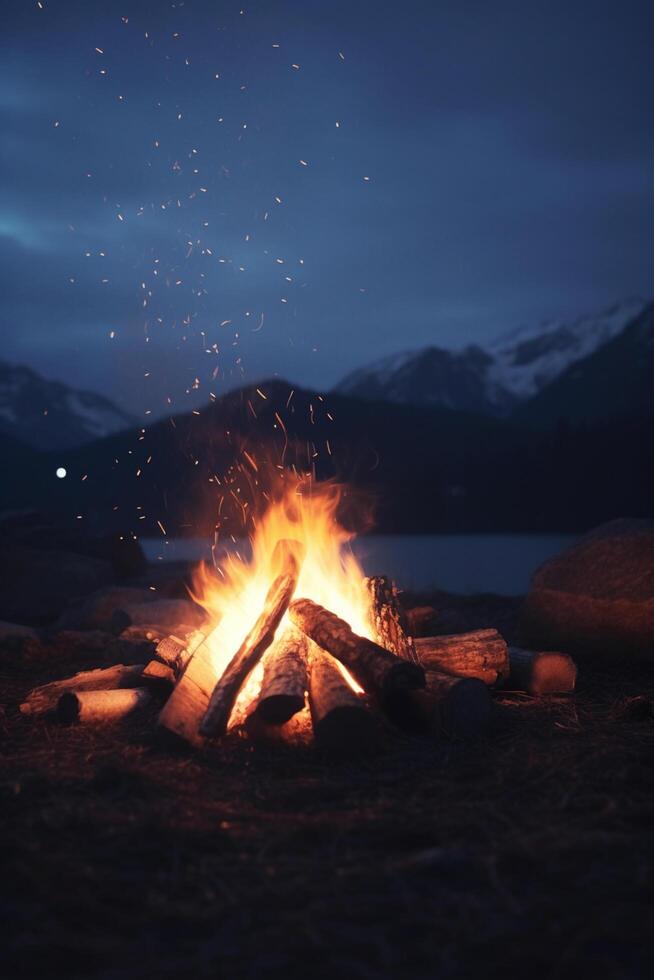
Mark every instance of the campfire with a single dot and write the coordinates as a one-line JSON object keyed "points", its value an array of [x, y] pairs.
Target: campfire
{"points": [[299, 643]]}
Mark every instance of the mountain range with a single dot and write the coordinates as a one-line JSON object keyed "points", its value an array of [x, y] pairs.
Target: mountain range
{"points": [[542, 431], [50, 415], [588, 368]]}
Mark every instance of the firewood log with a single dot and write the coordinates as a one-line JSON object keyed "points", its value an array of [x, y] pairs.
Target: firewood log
{"points": [[100, 707], [541, 672], [342, 719], [482, 654], [43, 699], [186, 706], [247, 656], [379, 671], [456, 707], [284, 678], [176, 651], [159, 677], [387, 619]]}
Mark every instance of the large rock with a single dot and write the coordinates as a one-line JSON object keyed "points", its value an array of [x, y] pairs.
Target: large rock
{"points": [[98, 611], [35, 585], [597, 595]]}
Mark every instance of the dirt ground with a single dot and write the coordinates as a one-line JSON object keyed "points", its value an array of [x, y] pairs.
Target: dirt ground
{"points": [[530, 851]]}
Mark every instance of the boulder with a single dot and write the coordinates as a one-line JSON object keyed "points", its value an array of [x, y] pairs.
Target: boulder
{"points": [[37, 585], [165, 613], [597, 595], [98, 610]]}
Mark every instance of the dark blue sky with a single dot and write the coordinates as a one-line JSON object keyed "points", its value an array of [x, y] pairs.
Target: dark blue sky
{"points": [[509, 148]]}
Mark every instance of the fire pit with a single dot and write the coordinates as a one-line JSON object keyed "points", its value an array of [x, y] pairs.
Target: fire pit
{"points": [[299, 644]]}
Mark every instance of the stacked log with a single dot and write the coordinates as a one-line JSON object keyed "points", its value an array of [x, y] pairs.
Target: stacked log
{"points": [[284, 678], [342, 719], [45, 698], [387, 620], [101, 707], [541, 672], [377, 670], [482, 654], [184, 709]]}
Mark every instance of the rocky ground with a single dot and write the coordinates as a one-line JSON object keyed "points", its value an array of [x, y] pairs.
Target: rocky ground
{"points": [[528, 850]]}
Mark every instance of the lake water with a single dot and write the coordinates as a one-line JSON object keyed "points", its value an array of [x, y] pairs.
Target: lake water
{"points": [[461, 563]]}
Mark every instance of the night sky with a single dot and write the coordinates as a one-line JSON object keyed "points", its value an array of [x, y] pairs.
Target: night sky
{"points": [[205, 193]]}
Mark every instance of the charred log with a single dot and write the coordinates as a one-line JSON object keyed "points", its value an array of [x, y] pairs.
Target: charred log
{"points": [[541, 672], [185, 708], [482, 654], [377, 670], [43, 699], [284, 678], [342, 719], [387, 619], [100, 707]]}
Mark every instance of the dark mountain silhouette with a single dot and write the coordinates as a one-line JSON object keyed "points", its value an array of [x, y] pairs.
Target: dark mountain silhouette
{"points": [[425, 469], [50, 415]]}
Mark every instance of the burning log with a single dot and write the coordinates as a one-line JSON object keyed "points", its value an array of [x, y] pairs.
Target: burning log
{"points": [[482, 654], [342, 720], [541, 672], [284, 678], [250, 652], [43, 699], [100, 707], [457, 707], [185, 707], [378, 671], [387, 619]]}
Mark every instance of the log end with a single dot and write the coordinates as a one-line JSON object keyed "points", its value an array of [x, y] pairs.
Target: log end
{"points": [[68, 708], [277, 709]]}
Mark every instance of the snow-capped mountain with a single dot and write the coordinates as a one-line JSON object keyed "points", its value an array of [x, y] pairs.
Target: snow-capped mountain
{"points": [[496, 377], [50, 415]]}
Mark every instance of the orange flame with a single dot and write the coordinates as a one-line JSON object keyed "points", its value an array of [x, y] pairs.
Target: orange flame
{"points": [[330, 575]]}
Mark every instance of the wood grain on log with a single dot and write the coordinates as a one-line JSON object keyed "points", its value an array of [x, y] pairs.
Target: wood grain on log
{"points": [[43, 699], [184, 709], [284, 678], [342, 719], [100, 707], [288, 555], [377, 670], [456, 707], [159, 676], [387, 620], [541, 672], [482, 654]]}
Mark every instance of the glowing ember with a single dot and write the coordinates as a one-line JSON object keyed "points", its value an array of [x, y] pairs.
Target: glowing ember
{"points": [[330, 575]]}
